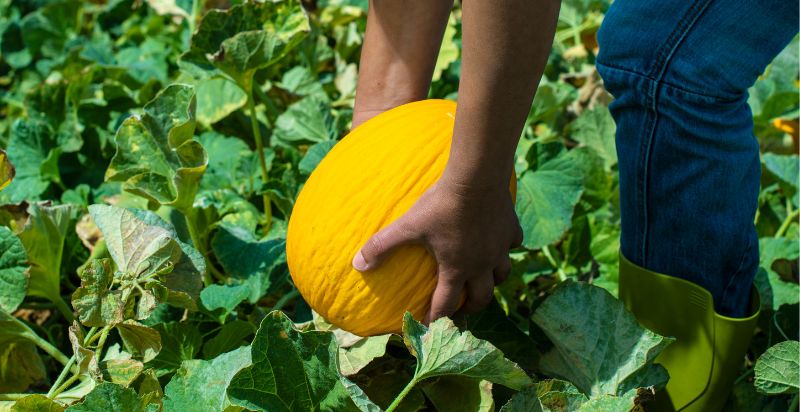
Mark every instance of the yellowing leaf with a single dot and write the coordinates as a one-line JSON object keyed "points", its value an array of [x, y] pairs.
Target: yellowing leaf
{"points": [[7, 170]]}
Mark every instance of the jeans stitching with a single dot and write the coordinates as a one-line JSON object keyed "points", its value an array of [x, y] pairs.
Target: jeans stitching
{"points": [[738, 270], [665, 84], [661, 65]]}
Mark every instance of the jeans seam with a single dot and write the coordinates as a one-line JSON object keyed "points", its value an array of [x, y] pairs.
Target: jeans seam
{"points": [[738, 270], [665, 84], [651, 102]]}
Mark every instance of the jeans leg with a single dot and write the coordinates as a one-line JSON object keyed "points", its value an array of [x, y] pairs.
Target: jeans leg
{"points": [[688, 161]]}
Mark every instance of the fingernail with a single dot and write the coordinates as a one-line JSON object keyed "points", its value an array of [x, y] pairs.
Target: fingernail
{"points": [[359, 263]]}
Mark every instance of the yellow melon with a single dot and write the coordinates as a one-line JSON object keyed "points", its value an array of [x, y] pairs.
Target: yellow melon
{"points": [[369, 179]]}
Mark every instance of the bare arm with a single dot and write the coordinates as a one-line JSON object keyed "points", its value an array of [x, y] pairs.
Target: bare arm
{"points": [[505, 47], [467, 219], [399, 53]]}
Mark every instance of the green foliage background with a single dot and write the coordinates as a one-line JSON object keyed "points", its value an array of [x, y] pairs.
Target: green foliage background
{"points": [[150, 155]]}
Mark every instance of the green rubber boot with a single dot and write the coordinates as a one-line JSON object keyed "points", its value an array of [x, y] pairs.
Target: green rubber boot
{"points": [[709, 348]]}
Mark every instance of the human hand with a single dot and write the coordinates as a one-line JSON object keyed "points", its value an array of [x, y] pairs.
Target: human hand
{"points": [[468, 231]]}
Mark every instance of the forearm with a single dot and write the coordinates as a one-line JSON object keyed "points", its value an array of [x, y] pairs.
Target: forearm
{"points": [[505, 45], [399, 53]]}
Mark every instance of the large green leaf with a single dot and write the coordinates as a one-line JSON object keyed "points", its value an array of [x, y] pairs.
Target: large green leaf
{"points": [[599, 345], [360, 354], [179, 342], [145, 62], [200, 385], [778, 369], [314, 155], [156, 156], [217, 98], [595, 128], [20, 366], [136, 245], [774, 290], [546, 198], [13, 270], [299, 80], [231, 164], [232, 335], [306, 121], [224, 298], [442, 350], [248, 261], [146, 251], [13, 330], [291, 371], [43, 236], [246, 37], [34, 150], [47, 29], [785, 168]]}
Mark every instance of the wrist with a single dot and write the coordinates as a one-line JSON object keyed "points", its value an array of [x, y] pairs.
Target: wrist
{"points": [[476, 180]]}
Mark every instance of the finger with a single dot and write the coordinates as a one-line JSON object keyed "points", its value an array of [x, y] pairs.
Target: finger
{"points": [[379, 246], [446, 297], [502, 271], [480, 291]]}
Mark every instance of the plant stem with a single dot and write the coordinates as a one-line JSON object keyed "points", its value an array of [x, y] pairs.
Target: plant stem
{"points": [[64, 386], [559, 270], [201, 246], [197, 11], [786, 223], [64, 309], [103, 335], [272, 110], [744, 376], [53, 389], [48, 348], [402, 395], [90, 336], [286, 299], [261, 159], [14, 396]]}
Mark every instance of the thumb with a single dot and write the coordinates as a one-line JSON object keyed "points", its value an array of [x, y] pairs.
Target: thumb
{"points": [[381, 244]]}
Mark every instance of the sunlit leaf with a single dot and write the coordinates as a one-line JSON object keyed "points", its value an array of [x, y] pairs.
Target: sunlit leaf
{"points": [[291, 371], [156, 156], [778, 369], [203, 383], [442, 350], [247, 37], [599, 345], [546, 198]]}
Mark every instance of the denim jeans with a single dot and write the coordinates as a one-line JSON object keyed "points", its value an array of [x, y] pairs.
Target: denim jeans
{"points": [[688, 161]]}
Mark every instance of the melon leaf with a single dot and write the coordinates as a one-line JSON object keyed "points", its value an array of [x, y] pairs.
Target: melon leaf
{"points": [[624, 360], [442, 350]]}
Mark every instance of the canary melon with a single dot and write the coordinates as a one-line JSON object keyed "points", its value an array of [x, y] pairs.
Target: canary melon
{"points": [[369, 179]]}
